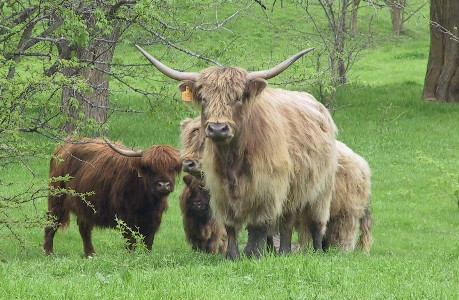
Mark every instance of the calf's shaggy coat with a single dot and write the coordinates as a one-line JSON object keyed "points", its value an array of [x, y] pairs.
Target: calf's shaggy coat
{"points": [[132, 189], [201, 229]]}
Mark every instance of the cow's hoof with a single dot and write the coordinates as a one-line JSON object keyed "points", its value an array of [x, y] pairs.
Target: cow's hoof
{"points": [[253, 253], [232, 255]]}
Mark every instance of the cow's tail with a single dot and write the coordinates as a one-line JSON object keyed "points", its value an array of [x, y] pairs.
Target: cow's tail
{"points": [[365, 239]]}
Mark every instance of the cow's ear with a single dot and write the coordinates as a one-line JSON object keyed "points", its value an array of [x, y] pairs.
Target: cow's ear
{"points": [[139, 172], [256, 86], [184, 84], [187, 179], [188, 91]]}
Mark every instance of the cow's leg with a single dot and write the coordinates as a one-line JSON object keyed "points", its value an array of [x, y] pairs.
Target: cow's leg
{"points": [[256, 241], [319, 216], [317, 231], [286, 229], [56, 217], [325, 244], [273, 230], [86, 233], [270, 244], [149, 238], [50, 232], [232, 250]]}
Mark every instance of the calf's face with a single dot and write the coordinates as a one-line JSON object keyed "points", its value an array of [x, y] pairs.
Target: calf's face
{"points": [[197, 198]]}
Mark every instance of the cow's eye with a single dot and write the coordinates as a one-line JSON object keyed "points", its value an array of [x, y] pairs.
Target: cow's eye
{"points": [[195, 131], [203, 100]]}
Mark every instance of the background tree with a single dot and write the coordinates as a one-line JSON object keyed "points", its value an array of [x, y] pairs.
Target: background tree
{"points": [[338, 46], [396, 12], [354, 14], [73, 42], [442, 78]]}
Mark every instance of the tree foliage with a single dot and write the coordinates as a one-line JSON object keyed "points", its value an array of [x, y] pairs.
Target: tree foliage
{"points": [[56, 63]]}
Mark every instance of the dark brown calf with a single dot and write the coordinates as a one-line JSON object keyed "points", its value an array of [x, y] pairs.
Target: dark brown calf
{"points": [[201, 229], [132, 189]]}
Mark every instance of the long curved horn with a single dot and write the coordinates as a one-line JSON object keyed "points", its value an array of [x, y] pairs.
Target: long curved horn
{"points": [[266, 74], [174, 74], [124, 152]]}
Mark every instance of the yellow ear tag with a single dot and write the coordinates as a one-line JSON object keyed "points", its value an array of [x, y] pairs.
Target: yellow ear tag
{"points": [[187, 96]]}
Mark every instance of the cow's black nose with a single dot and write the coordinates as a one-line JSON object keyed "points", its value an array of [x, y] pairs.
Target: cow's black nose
{"points": [[217, 131], [164, 186]]}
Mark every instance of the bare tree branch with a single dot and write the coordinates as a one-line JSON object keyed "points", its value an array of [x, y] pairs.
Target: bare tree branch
{"points": [[168, 42]]}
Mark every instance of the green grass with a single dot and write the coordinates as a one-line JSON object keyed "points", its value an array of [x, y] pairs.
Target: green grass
{"points": [[380, 115]]}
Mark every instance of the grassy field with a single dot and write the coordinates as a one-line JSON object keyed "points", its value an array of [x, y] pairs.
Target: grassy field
{"points": [[411, 146]]}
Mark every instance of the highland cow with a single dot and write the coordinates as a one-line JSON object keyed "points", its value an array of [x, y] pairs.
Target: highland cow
{"points": [[132, 186], [350, 205], [268, 152]]}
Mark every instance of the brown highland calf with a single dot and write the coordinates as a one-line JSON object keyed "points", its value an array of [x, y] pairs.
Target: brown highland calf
{"points": [[201, 229], [132, 186]]}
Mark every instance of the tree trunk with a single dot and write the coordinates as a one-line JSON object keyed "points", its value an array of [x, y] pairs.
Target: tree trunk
{"points": [[442, 77], [353, 22], [93, 102], [396, 13], [99, 54], [339, 43]]}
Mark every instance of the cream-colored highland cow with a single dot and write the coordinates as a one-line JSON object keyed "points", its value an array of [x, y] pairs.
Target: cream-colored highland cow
{"points": [[350, 205], [267, 153], [192, 141]]}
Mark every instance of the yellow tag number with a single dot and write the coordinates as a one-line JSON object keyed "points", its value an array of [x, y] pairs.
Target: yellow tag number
{"points": [[187, 96]]}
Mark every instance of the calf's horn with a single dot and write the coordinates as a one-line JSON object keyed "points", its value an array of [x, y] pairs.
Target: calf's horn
{"points": [[267, 74], [174, 74], [124, 152]]}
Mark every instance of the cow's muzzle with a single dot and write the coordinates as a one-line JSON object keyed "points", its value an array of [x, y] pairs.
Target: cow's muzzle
{"points": [[192, 167], [164, 187], [218, 132], [200, 206]]}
